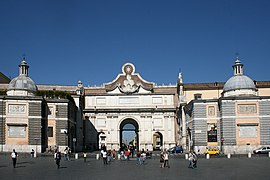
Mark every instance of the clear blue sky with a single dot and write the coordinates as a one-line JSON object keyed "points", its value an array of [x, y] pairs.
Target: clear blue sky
{"points": [[70, 40]]}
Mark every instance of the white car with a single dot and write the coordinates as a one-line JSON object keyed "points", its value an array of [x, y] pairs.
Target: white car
{"points": [[262, 150]]}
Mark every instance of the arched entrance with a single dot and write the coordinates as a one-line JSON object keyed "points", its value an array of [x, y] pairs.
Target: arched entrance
{"points": [[157, 141], [129, 129]]}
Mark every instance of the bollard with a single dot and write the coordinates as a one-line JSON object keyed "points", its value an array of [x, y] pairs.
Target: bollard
{"points": [[97, 156], [207, 156], [249, 155], [228, 156], [186, 156], [269, 154], [76, 156]]}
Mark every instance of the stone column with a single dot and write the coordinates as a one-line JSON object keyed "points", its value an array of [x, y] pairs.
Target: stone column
{"points": [[184, 129]]}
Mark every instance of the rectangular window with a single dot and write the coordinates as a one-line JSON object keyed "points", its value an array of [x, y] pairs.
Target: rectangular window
{"points": [[197, 96], [50, 110], [50, 131], [18, 131], [247, 131]]}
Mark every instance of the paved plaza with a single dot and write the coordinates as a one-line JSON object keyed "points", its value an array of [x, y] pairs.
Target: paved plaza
{"points": [[213, 168]]}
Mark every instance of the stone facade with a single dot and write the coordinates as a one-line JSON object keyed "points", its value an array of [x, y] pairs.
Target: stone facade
{"points": [[131, 99], [234, 119]]}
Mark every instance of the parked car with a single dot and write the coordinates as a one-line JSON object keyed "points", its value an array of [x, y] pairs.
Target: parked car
{"points": [[175, 149], [212, 151], [262, 150]]}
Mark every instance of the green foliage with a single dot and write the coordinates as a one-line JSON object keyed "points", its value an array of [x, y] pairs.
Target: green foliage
{"points": [[55, 95]]}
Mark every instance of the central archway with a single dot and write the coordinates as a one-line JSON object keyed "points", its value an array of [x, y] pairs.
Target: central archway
{"points": [[129, 125]]}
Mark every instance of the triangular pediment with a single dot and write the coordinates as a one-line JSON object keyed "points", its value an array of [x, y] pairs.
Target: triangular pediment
{"points": [[128, 81]]}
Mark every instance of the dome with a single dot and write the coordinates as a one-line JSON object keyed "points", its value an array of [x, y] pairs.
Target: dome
{"points": [[22, 82], [239, 82], [22, 85]]}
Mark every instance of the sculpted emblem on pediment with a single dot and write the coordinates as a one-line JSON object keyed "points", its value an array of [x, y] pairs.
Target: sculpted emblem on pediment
{"points": [[128, 85]]}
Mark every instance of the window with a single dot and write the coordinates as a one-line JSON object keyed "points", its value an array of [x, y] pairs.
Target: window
{"points": [[50, 131], [197, 96], [17, 131], [247, 131]]}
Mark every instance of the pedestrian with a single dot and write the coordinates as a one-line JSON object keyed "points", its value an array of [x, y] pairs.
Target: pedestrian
{"points": [[32, 153], [109, 156], [66, 154], [69, 154], [166, 159], [84, 156], [138, 158], [143, 157], [14, 156], [161, 160], [104, 156], [195, 159], [127, 153], [190, 160], [58, 159]]}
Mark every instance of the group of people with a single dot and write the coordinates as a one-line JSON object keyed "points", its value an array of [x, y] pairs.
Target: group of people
{"points": [[164, 159], [124, 153], [108, 155]]}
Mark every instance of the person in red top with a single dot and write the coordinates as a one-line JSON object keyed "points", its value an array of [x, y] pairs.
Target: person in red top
{"points": [[127, 153]]}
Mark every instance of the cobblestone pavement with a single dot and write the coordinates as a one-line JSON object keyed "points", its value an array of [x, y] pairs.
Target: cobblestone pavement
{"points": [[237, 168]]}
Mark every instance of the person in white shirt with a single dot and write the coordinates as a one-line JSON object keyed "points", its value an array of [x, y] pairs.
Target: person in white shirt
{"points": [[166, 159], [104, 156], [14, 156]]}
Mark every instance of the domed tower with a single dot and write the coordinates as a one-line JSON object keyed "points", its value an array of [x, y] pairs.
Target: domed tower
{"points": [[22, 85], [239, 84]]}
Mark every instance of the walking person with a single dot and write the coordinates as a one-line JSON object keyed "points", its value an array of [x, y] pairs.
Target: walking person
{"points": [[58, 159], [166, 159], [14, 156], [66, 154], [84, 156], [143, 157], [195, 159], [139, 158], [32, 153], [69, 154], [104, 156], [190, 160], [161, 160]]}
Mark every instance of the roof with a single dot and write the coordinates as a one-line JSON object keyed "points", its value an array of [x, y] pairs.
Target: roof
{"points": [[239, 82], [4, 79]]}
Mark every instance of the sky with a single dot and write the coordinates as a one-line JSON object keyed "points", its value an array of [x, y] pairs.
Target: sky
{"points": [[90, 40]]}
